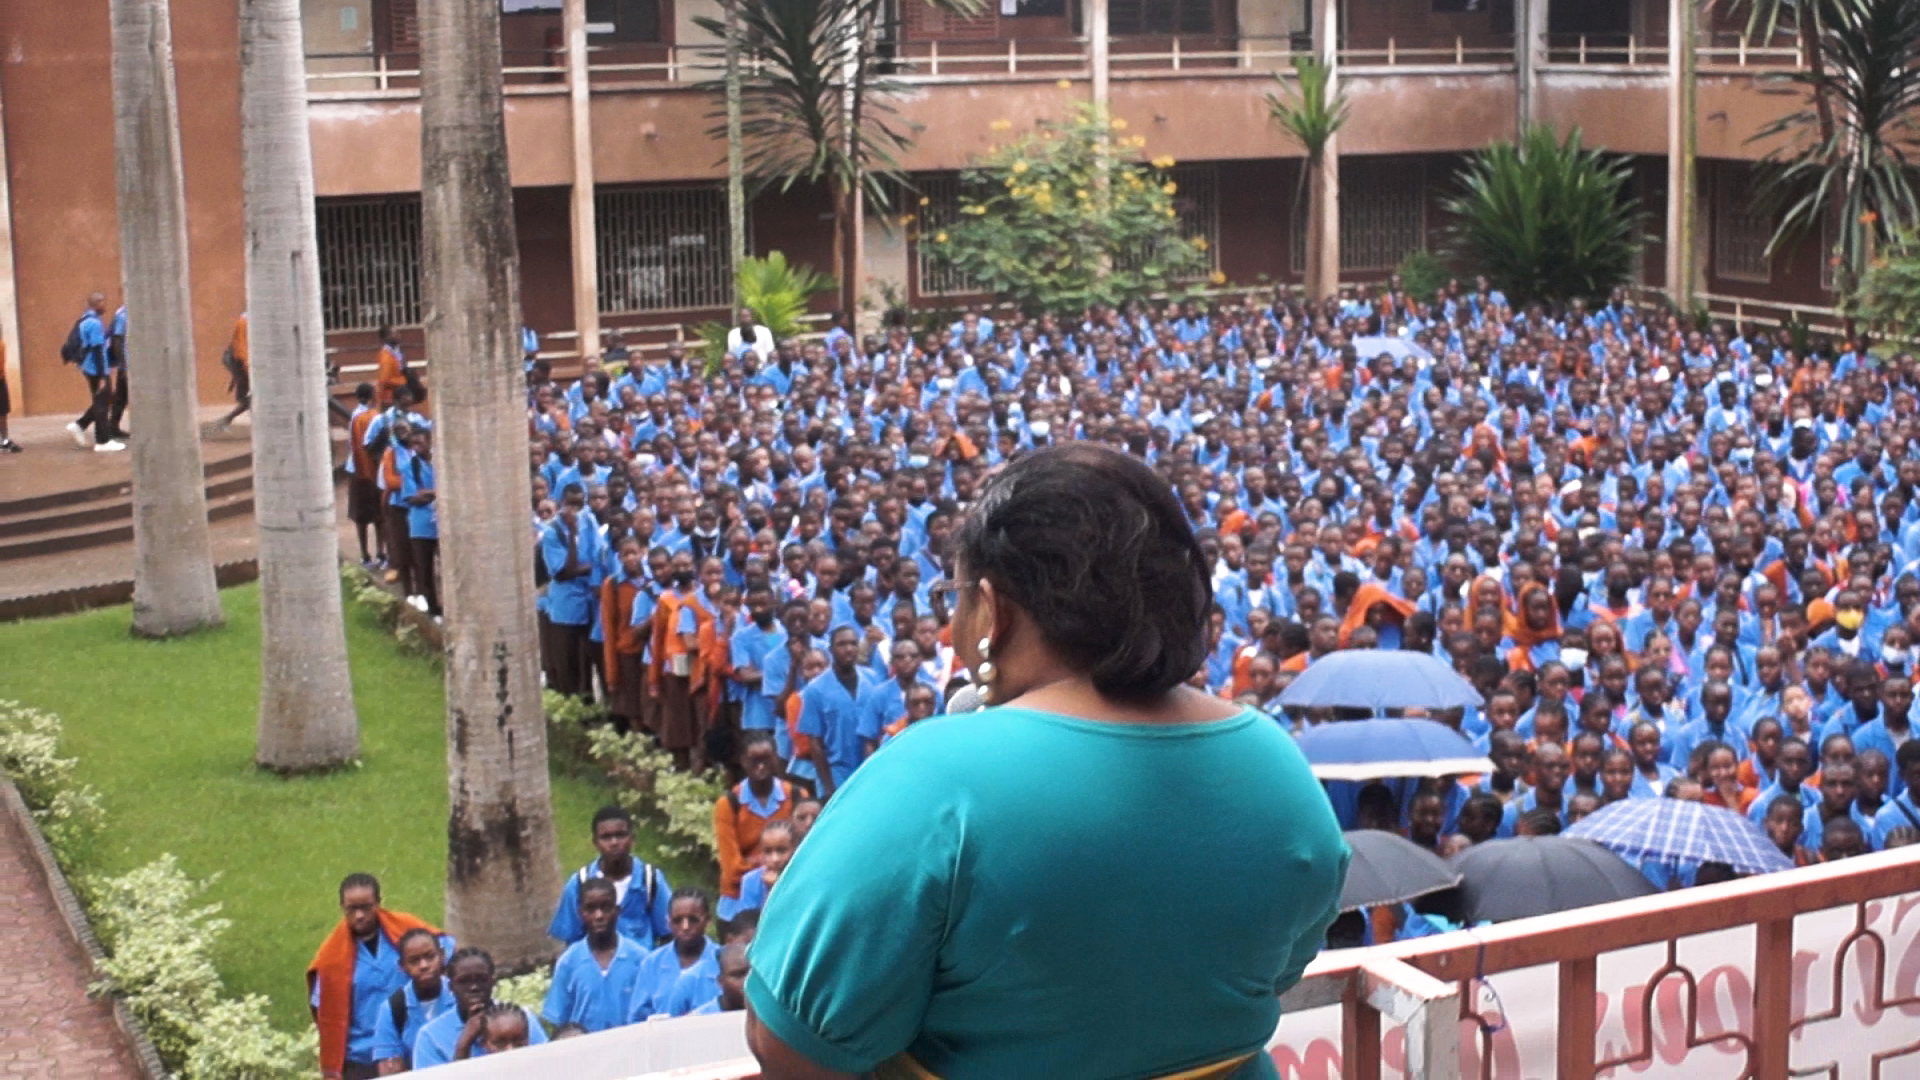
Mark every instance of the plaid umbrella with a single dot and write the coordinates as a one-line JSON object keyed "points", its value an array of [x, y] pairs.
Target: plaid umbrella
{"points": [[1676, 831]]}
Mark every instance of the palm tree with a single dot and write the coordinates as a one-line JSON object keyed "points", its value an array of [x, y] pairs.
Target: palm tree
{"points": [[1312, 113], [736, 154], [1845, 160], [173, 584], [1546, 218], [307, 719], [815, 109], [503, 869]]}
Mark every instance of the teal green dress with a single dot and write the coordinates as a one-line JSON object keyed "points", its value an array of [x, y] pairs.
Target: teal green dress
{"points": [[1015, 893]]}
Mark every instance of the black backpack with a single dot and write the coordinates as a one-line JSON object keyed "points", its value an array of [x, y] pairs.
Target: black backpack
{"points": [[71, 351]]}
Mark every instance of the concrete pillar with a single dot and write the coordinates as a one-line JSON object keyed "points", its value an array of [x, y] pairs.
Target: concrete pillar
{"points": [[1680, 152], [1529, 54], [586, 252], [9, 298], [1098, 56], [1323, 255]]}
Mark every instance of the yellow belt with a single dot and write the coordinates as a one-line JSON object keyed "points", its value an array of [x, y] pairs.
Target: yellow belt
{"points": [[902, 1066]]}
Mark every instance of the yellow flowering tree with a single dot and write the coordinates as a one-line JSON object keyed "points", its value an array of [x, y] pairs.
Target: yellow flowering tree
{"points": [[1068, 216]]}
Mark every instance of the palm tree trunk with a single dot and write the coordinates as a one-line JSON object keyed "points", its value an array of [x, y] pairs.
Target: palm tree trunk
{"points": [[173, 585], [307, 718], [502, 866], [736, 153]]}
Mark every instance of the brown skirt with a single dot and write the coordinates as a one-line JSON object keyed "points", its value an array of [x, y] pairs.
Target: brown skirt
{"points": [[629, 696], [363, 501], [678, 729]]}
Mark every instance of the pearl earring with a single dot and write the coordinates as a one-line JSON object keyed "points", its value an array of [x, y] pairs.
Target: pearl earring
{"points": [[983, 672]]}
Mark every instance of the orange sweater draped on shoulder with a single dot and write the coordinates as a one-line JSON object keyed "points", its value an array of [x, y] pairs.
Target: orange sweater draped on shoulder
{"points": [[332, 973], [616, 625], [736, 831], [1367, 597]]}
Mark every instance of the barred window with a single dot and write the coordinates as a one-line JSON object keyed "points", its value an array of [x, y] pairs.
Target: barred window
{"points": [[942, 209], [1161, 17], [1740, 230], [1383, 214], [369, 262], [1197, 201], [663, 249]]}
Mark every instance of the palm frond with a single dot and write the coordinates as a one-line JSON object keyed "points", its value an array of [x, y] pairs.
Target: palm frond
{"points": [[1306, 110]]}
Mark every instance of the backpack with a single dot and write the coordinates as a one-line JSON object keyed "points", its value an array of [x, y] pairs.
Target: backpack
{"points": [[71, 351], [647, 882], [397, 1003]]}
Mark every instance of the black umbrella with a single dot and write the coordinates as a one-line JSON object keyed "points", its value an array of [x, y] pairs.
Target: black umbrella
{"points": [[1539, 875], [1389, 869]]}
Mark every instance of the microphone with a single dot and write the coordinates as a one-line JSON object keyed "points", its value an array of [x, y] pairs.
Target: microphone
{"points": [[969, 699]]}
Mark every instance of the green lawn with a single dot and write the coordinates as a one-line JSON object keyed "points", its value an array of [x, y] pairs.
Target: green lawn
{"points": [[165, 731]]}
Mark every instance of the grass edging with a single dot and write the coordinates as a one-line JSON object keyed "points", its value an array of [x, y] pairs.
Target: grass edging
{"points": [[77, 923]]}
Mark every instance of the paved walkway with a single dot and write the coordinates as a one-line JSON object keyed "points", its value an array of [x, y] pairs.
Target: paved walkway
{"points": [[50, 1027]]}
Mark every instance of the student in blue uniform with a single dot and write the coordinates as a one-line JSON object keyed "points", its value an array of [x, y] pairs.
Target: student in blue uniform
{"points": [[423, 520], [461, 1032], [733, 983], [424, 998], [642, 891], [830, 712], [690, 948], [594, 979]]}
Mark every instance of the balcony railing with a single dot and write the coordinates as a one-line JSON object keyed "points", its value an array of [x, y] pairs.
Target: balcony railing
{"points": [[1811, 972], [1717, 51], [358, 75]]}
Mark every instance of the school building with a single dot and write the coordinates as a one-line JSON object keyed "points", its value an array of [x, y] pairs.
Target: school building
{"points": [[620, 197]]}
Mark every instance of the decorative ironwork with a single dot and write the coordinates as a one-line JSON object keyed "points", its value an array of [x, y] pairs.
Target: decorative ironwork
{"points": [[1741, 230], [369, 262], [663, 249]]}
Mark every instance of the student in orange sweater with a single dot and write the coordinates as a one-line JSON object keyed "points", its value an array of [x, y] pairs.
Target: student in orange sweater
{"points": [[741, 816], [354, 972], [626, 614]]}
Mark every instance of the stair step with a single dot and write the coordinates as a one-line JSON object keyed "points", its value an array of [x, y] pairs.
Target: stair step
{"points": [[84, 535], [222, 466], [113, 508]]}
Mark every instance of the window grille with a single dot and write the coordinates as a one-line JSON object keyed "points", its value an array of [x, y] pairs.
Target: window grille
{"points": [[369, 262], [663, 249], [1197, 200], [1160, 17], [1383, 214], [1740, 230], [942, 209]]}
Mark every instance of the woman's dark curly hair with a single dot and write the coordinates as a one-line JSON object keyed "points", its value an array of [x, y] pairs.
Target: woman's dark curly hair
{"points": [[1096, 548]]}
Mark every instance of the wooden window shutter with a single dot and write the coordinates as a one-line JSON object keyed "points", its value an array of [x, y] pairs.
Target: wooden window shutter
{"points": [[928, 23]]}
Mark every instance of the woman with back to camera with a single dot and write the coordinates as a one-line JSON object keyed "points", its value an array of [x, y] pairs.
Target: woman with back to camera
{"points": [[1108, 874]]}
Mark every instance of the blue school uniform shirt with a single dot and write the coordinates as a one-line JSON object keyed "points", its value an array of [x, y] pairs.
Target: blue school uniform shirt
{"points": [[1813, 828], [751, 646], [880, 704], [435, 1043], [696, 984], [94, 358], [570, 603], [376, 975], [583, 994], [423, 522], [390, 1042], [1901, 812], [658, 974], [753, 892], [879, 945], [643, 910], [831, 715]]}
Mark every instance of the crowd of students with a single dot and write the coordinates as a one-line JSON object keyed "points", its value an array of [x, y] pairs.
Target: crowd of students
{"points": [[1677, 560]]}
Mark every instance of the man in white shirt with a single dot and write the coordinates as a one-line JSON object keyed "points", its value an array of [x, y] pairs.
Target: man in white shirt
{"points": [[750, 336]]}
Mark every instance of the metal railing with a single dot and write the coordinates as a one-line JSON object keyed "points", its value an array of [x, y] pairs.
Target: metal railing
{"points": [[1713, 51], [1818, 963], [358, 75]]}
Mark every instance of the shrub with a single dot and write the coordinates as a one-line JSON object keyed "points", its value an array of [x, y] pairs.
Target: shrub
{"points": [[1423, 275], [1548, 219], [779, 293], [1066, 217], [30, 755], [529, 990], [160, 946]]}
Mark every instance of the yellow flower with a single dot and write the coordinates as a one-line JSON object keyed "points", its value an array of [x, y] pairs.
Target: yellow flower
{"points": [[1169, 187], [1001, 125], [1119, 123], [1200, 243], [924, 200], [1065, 84], [1169, 211], [974, 210], [940, 238], [1162, 162], [1217, 278], [1080, 193], [1019, 167]]}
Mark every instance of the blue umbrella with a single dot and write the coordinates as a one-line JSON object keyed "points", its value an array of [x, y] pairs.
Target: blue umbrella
{"points": [[1399, 348], [1380, 679], [1374, 749], [1676, 832]]}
